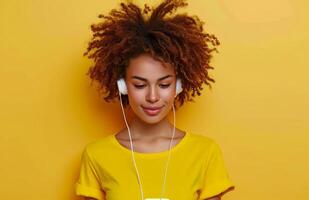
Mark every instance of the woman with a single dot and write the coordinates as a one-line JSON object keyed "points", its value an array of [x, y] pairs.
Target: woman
{"points": [[152, 64]]}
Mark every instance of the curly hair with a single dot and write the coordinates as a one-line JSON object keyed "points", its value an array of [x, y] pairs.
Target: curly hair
{"points": [[175, 39]]}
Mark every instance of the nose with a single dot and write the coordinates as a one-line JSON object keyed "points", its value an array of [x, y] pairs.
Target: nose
{"points": [[152, 95]]}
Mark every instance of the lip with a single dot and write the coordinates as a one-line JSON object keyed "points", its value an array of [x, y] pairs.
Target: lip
{"points": [[152, 111], [152, 108]]}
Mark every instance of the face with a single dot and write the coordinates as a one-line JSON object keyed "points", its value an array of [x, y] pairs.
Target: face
{"points": [[150, 84]]}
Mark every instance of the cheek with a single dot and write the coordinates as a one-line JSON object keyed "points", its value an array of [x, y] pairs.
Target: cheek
{"points": [[167, 95], [136, 96]]}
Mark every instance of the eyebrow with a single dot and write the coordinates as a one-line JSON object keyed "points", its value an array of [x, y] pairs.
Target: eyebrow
{"points": [[143, 79]]}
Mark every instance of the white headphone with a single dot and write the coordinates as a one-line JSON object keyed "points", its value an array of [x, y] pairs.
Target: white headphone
{"points": [[122, 87]]}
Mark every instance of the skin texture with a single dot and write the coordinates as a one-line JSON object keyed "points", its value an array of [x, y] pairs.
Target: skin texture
{"points": [[150, 133], [151, 92], [214, 198]]}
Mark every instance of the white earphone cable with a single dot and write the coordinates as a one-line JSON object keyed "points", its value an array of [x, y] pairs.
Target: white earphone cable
{"points": [[133, 157]]}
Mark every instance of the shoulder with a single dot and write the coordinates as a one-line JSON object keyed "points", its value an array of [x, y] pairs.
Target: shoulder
{"points": [[98, 145], [202, 139], [205, 144]]}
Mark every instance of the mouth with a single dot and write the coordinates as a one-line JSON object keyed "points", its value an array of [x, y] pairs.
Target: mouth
{"points": [[152, 111]]}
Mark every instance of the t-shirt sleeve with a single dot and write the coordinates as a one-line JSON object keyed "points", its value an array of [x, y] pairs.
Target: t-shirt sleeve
{"points": [[88, 183], [216, 179]]}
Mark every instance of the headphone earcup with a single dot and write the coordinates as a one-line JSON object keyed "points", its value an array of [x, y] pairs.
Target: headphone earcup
{"points": [[178, 86], [122, 87]]}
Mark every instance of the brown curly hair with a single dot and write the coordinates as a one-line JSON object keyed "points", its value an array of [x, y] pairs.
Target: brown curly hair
{"points": [[176, 39]]}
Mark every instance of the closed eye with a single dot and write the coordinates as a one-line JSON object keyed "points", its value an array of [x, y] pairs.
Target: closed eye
{"points": [[139, 86], [165, 85], [162, 85]]}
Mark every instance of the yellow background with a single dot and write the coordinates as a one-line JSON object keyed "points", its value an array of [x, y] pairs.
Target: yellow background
{"points": [[257, 110]]}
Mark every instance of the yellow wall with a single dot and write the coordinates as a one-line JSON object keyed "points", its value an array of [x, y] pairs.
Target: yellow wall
{"points": [[257, 110]]}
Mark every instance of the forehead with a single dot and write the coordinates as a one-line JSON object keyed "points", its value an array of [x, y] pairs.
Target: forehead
{"points": [[146, 66]]}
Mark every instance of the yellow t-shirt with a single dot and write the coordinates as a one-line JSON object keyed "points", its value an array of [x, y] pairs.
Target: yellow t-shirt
{"points": [[196, 171]]}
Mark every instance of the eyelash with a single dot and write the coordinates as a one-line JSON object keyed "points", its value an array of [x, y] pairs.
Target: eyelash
{"points": [[163, 85]]}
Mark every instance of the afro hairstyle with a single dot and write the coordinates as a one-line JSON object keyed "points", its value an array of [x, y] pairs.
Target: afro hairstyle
{"points": [[129, 31]]}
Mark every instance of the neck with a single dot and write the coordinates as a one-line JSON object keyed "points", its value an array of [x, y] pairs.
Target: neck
{"points": [[140, 129]]}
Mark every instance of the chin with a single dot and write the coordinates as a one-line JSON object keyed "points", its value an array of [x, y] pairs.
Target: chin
{"points": [[151, 119]]}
